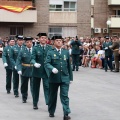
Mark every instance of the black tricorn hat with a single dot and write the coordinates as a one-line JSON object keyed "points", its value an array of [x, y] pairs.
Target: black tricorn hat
{"points": [[28, 38], [20, 37], [106, 37], [10, 38], [56, 37], [41, 34]]}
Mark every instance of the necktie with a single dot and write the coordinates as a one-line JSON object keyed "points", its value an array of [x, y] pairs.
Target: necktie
{"points": [[43, 47], [59, 52], [29, 50]]}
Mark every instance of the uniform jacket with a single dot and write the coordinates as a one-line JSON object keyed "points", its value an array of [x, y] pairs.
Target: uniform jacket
{"points": [[14, 53], [75, 46], [6, 57], [108, 52], [115, 48], [61, 63], [39, 56], [24, 57]]}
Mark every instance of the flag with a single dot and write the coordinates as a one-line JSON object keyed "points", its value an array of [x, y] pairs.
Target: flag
{"points": [[15, 9]]}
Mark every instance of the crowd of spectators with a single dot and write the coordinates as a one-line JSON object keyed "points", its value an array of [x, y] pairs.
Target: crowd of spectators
{"points": [[91, 50], [96, 52]]}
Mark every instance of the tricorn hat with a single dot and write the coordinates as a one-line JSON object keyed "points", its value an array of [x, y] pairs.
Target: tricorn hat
{"points": [[56, 37], [20, 37], [41, 34], [28, 38]]}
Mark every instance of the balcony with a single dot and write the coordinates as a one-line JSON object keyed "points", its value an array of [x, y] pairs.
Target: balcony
{"points": [[62, 17], [27, 16], [16, 3], [113, 2], [115, 21]]}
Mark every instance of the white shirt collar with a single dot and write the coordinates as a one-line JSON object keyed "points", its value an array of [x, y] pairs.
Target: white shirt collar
{"points": [[58, 49], [43, 45], [29, 48]]}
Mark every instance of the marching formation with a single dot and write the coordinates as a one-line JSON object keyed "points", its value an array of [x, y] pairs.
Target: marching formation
{"points": [[51, 64]]}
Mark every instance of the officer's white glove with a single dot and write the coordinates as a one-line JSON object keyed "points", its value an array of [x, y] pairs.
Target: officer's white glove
{"points": [[5, 64], [54, 70], [15, 67], [37, 65], [20, 72], [106, 48]]}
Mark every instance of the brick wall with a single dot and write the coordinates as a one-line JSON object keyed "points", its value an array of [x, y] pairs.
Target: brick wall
{"points": [[84, 18]]}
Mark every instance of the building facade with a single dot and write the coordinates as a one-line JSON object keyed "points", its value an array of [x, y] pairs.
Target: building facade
{"points": [[55, 17], [103, 11], [84, 18]]}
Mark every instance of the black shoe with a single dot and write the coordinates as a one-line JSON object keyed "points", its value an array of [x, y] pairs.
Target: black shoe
{"points": [[73, 69], [8, 92], [105, 70], [16, 96], [35, 107], [24, 101], [111, 70], [66, 117], [51, 115], [76, 69]]}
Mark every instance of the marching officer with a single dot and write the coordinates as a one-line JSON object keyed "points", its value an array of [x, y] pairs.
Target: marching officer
{"points": [[75, 53], [108, 53], [38, 59], [24, 68], [6, 58], [60, 74], [15, 51], [115, 48]]}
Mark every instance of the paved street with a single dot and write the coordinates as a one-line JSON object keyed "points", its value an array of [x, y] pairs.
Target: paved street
{"points": [[94, 95]]}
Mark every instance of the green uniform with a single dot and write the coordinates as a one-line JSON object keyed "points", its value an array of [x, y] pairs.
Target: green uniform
{"points": [[6, 57], [15, 51], [62, 79], [108, 55], [23, 64], [39, 56], [75, 54]]}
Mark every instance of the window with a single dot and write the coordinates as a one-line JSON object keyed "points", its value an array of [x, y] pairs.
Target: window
{"points": [[118, 12], [55, 31], [16, 30], [55, 8], [62, 5], [69, 6]]}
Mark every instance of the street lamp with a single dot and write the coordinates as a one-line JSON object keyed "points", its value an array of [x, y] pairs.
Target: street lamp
{"points": [[108, 25]]}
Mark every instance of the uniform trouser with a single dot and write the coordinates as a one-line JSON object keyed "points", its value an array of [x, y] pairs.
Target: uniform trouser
{"points": [[15, 82], [24, 86], [8, 79], [116, 58], [108, 62], [75, 60], [36, 89], [53, 91]]}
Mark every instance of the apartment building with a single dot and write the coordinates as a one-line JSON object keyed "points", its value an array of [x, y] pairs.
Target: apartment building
{"points": [[55, 17], [103, 11]]}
